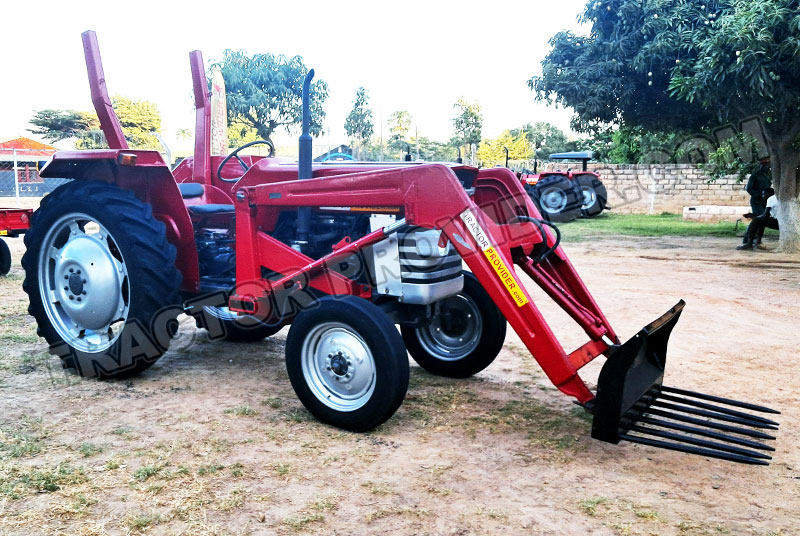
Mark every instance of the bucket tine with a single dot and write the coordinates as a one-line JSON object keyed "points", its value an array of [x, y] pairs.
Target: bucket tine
{"points": [[694, 450], [699, 442], [712, 407], [711, 414], [710, 424], [710, 398], [706, 433]]}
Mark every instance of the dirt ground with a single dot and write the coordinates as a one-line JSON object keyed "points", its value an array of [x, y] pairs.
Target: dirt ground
{"points": [[211, 439]]}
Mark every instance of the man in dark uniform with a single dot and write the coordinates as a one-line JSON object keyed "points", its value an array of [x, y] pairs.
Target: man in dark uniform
{"points": [[757, 184]]}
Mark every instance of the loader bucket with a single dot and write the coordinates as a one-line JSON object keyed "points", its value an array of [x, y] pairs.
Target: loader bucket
{"points": [[633, 405]]}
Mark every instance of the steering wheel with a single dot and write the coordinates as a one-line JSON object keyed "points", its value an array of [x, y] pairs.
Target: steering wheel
{"points": [[235, 154]]}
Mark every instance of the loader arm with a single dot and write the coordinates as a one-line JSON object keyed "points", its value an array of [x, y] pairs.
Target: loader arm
{"points": [[494, 228]]}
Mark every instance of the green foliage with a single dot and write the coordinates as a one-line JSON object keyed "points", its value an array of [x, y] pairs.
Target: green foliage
{"points": [[433, 151], [545, 139], [358, 124], [467, 124], [737, 155], [57, 125], [493, 152], [264, 92], [138, 120], [635, 145], [399, 125]]}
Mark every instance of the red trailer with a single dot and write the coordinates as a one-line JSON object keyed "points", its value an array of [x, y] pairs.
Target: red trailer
{"points": [[13, 222], [249, 244]]}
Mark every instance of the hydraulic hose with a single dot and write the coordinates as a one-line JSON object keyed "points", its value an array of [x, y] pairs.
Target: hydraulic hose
{"points": [[539, 223]]}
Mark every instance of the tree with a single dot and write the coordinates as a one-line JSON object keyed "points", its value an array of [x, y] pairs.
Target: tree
{"points": [[265, 92], [137, 118], [358, 124], [57, 125], [493, 152], [545, 139], [687, 65], [467, 124]]}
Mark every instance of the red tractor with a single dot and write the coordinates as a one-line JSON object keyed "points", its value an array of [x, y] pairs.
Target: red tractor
{"points": [[249, 244], [13, 222], [562, 196]]}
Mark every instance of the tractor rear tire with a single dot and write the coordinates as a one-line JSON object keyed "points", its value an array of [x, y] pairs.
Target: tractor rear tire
{"points": [[556, 199], [347, 363], [101, 280], [5, 258], [593, 195], [464, 343]]}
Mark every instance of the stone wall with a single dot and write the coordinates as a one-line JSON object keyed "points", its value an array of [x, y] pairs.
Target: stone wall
{"points": [[658, 188]]}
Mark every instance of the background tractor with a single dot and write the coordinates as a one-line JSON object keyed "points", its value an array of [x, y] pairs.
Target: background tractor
{"points": [[562, 196], [249, 244], [13, 222]]}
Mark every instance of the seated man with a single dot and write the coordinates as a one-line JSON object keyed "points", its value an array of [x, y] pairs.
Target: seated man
{"points": [[752, 237]]}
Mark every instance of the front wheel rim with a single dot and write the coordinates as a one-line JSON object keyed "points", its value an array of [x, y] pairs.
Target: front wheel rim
{"points": [[83, 283], [458, 338], [338, 366]]}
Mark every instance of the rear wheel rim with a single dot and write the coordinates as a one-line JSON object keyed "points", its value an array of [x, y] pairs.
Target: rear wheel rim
{"points": [[553, 200], [83, 282], [338, 366], [458, 338], [589, 196]]}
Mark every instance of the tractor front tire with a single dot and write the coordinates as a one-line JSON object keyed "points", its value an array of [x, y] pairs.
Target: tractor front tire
{"points": [[593, 195], [5, 258], [347, 363], [463, 338], [101, 280], [556, 199]]}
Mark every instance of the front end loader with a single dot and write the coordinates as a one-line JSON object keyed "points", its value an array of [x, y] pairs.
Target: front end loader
{"points": [[342, 253]]}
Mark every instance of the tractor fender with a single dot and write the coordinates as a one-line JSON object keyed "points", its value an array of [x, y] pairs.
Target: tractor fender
{"points": [[147, 175]]}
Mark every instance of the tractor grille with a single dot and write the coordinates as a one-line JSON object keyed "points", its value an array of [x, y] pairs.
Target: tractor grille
{"points": [[411, 266], [422, 261]]}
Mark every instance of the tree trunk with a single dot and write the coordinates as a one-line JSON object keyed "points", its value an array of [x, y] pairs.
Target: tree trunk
{"points": [[785, 163]]}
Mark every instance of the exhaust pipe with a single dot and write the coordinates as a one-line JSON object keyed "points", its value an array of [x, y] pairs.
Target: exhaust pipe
{"points": [[304, 171]]}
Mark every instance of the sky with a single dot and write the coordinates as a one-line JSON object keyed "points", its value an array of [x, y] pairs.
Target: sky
{"points": [[415, 55]]}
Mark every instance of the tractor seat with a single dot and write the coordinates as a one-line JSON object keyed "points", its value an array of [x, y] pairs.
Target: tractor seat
{"points": [[191, 190], [206, 210]]}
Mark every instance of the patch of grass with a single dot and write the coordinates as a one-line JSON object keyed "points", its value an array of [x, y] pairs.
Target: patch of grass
{"points": [[552, 428], [18, 338], [302, 519], [610, 224], [492, 513], [139, 522], [88, 449], [298, 415], [22, 440], [281, 469], [147, 471], [326, 504], [234, 500], [237, 470], [589, 505], [241, 411], [274, 402], [209, 469], [125, 431], [394, 511], [42, 478]]}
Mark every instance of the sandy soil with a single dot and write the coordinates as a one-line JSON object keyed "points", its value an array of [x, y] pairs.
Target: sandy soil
{"points": [[211, 440]]}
